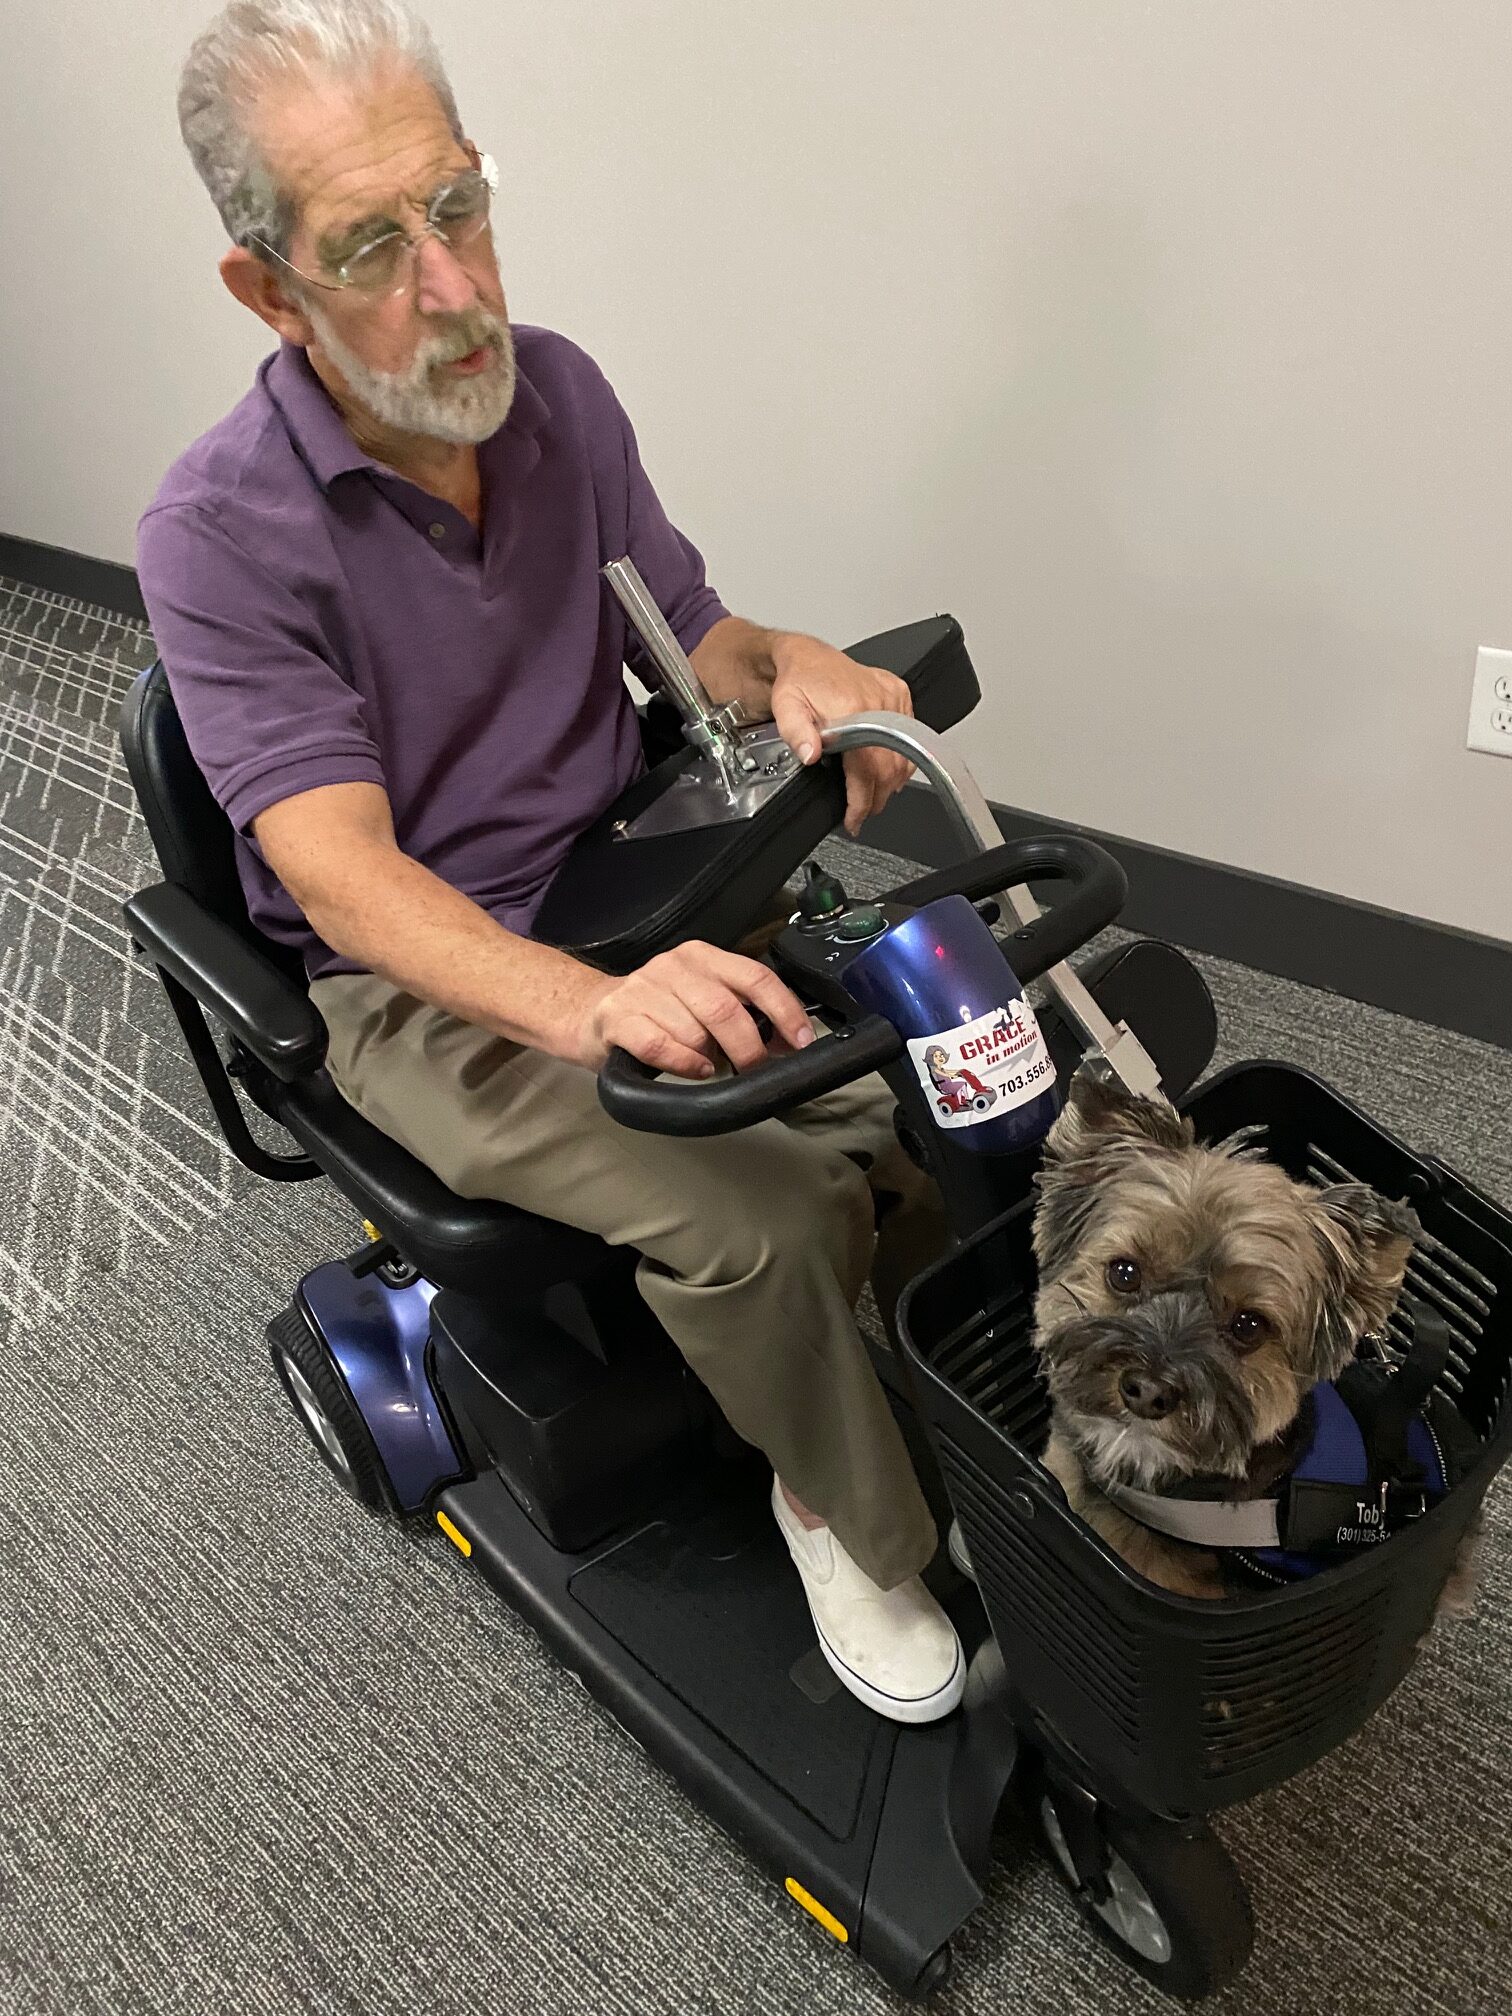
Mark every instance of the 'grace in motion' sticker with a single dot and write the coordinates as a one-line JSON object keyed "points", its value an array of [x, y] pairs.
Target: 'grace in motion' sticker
{"points": [[987, 1067]]}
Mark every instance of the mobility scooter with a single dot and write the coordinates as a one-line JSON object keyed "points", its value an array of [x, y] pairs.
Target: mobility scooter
{"points": [[499, 1375]]}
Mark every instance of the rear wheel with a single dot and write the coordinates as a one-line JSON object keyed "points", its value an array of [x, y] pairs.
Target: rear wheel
{"points": [[1171, 1903], [316, 1391]]}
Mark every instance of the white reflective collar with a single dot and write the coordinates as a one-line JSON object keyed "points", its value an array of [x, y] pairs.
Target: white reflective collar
{"points": [[1212, 1522]]}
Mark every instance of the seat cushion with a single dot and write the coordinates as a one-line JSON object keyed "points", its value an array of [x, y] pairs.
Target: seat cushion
{"points": [[472, 1245]]}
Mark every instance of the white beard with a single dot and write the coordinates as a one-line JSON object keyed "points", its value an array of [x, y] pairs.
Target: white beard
{"points": [[463, 411]]}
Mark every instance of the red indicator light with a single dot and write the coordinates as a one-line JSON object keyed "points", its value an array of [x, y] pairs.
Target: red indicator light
{"points": [[939, 951]]}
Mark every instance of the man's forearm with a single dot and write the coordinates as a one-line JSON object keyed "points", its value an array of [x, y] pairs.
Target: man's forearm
{"points": [[395, 918]]}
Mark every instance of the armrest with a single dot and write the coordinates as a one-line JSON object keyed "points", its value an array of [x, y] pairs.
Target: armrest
{"points": [[263, 1008]]}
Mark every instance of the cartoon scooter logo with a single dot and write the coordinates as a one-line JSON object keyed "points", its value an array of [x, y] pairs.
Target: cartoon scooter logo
{"points": [[958, 1091]]}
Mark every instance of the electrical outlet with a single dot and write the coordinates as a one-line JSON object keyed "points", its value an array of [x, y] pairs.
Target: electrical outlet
{"points": [[1491, 703]]}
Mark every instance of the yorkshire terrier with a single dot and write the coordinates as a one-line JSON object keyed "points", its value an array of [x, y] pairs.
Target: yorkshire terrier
{"points": [[1189, 1299]]}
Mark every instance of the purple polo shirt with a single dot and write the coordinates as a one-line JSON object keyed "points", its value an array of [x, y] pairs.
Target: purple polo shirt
{"points": [[324, 621]]}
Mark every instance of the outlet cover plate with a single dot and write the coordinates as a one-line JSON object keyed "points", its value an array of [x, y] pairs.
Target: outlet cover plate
{"points": [[1491, 703]]}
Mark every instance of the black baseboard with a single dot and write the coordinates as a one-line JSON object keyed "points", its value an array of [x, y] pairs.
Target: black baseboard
{"points": [[1432, 972], [104, 582], [1453, 979]]}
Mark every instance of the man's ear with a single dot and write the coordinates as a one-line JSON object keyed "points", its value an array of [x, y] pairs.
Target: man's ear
{"points": [[259, 288], [1366, 1241]]}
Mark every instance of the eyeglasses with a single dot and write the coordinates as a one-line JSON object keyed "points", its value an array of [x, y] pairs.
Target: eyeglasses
{"points": [[385, 265]]}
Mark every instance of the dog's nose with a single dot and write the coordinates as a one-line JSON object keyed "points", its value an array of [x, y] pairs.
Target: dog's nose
{"points": [[1148, 1395]]}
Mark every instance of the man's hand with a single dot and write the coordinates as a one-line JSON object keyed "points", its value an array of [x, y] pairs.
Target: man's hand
{"points": [[816, 684], [683, 1008]]}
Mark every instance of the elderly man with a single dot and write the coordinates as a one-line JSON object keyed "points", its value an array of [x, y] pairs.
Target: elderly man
{"points": [[375, 588]]}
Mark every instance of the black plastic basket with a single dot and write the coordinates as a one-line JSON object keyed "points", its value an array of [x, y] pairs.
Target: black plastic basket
{"points": [[1177, 1704]]}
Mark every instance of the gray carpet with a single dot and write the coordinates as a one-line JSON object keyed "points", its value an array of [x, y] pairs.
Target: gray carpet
{"points": [[261, 1754]]}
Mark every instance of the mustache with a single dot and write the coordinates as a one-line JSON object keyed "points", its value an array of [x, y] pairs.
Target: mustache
{"points": [[475, 330]]}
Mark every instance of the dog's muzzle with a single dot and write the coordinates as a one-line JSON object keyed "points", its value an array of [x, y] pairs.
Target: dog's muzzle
{"points": [[1380, 1447], [1162, 1362]]}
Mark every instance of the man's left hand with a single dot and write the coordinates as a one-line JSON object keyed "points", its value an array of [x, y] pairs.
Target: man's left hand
{"points": [[816, 684]]}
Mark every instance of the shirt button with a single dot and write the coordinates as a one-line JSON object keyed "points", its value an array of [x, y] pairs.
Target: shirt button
{"points": [[438, 530]]}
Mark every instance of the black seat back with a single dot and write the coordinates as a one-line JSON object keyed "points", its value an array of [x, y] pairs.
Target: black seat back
{"points": [[544, 1399], [471, 1245], [192, 835]]}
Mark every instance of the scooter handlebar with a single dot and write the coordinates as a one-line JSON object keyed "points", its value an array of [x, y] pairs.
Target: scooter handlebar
{"points": [[1098, 889], [632, 1093]]}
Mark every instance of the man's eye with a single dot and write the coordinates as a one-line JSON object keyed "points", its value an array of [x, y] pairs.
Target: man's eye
{"points": [[461, 202], [374, 262], [1123, 1275]]}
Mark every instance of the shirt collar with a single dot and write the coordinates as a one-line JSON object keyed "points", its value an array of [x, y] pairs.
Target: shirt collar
{"points": [[320, 435]]}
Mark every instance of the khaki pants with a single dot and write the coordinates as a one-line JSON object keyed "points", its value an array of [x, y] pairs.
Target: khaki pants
{"points": [[754, 1246]]}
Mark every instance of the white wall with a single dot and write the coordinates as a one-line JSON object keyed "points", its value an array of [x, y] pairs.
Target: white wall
{"points": [[1166, 344]]}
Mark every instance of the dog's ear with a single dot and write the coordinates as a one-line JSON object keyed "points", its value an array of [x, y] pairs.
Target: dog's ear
{"points": [[1365, 1241], [1100, 1116], [1100, 1129]]}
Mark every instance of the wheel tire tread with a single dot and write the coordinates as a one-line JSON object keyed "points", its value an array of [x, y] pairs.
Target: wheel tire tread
{"points": [[1210, 1945], [290, 1333]]}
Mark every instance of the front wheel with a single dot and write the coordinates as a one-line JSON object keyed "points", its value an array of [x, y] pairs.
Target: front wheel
{"points": [[318, 1394], [1174, 1906]]}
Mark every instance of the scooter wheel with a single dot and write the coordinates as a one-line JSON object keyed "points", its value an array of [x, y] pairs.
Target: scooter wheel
{"points": [[316, 1391], [1176, 1908], [981, 1102]]}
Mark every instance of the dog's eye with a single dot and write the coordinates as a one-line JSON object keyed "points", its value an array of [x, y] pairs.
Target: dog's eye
{"points": [[1123, 1275], [1248, 1327]]}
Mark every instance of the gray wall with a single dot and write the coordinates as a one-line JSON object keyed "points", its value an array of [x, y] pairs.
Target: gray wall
{"points": [[1166, 344]]}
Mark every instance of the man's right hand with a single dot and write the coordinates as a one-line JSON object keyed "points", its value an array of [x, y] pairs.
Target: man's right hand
{"points": [[684, 1008]]}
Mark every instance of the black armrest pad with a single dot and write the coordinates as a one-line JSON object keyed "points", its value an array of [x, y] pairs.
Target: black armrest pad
{"points": [[262, 1007]]}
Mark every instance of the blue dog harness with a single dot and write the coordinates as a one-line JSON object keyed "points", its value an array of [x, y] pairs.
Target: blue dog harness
{"points": [[1375, 1448]]}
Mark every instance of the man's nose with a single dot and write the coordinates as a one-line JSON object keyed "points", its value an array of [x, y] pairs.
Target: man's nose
{"points": [[443, 285]]}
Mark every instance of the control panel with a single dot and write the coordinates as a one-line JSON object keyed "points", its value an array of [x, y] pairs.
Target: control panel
{"points": [[826, 932]]}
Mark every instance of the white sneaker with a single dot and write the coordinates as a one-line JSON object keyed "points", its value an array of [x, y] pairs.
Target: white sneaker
{"points": [[895, 1649]]}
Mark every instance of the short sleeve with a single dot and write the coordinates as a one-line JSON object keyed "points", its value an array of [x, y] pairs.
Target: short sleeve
{"points": [[670, 564], [265, 711]]}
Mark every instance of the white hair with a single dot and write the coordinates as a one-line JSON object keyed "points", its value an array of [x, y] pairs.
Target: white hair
{"points": [[251, 41]]}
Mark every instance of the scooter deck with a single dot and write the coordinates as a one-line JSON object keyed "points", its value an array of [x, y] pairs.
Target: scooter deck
{"points": [[692, 1630]]}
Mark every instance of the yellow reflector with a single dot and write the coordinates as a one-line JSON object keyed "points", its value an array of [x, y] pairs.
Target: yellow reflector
{"points": [[371, 1230], [454, 1533], [815, 1909]]}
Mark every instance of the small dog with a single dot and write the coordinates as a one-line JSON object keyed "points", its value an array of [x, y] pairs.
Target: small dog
{"points": [[1189, 1300]]}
